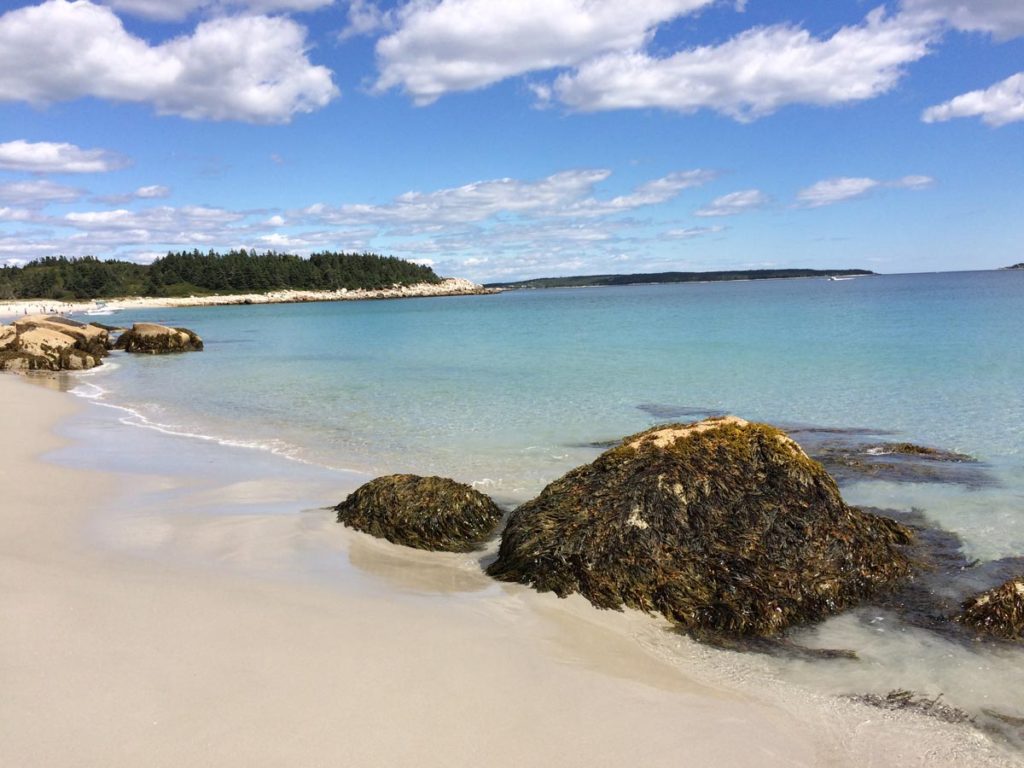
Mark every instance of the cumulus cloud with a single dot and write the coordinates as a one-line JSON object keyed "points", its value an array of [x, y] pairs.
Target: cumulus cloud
{"points": [[50, 157], [734, 203], [440, 46], [843, 188], [1002, 19], [176, 10], [997, 105], [37, 193], [248, 68], [756, 72]]}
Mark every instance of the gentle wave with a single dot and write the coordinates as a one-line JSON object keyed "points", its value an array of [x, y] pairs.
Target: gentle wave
{"points": [[96, 394]]}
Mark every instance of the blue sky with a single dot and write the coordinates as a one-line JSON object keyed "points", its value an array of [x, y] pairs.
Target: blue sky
{"points": [[499, 140]]}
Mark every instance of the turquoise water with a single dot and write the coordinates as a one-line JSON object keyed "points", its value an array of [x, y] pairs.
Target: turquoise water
{"points": [[510, 391]]}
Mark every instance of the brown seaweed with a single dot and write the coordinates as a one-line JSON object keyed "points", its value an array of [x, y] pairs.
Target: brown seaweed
{"points": [[999, 612], [432, 513], [720, 525]]}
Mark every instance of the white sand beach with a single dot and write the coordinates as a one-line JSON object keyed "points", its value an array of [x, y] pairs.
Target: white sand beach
{"points": [[452, 286], [133, 655]]}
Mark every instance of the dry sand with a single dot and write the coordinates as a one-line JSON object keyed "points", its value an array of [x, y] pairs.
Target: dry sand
{"points": [[111, 656], [452, 286]]}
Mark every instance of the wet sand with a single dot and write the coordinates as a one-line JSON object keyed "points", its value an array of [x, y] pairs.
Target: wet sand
{"points": [[191, 640]]}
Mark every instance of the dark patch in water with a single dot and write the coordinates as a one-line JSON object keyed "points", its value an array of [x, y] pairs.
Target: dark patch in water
{"points": [[848, 459], [661, 411], [780, 647], [602, 445], [904, 701]]}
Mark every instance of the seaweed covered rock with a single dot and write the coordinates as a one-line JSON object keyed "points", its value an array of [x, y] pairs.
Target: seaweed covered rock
{"points": [[998, 612], [153, 339], [424, 512], [723, 526], [45, 343]]}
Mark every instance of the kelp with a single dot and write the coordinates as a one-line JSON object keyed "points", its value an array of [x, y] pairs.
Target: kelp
{"points": [[901, 700], [999, 612], [720, 525], [152, 339], [432, 513]]}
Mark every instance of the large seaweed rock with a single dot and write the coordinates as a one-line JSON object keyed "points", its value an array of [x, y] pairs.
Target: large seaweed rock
{"points": [[998, 612], [46, 343], [723, 526], [153, 339], [424, 512]]}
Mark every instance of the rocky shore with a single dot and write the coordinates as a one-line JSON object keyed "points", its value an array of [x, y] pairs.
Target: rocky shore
{"points": [[452, 286]]}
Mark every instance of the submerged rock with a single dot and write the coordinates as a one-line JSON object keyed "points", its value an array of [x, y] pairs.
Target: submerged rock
{"points": [[45, 343], [424, 512], [998, 612], [850, 460], [723, 526], [153, 339]]}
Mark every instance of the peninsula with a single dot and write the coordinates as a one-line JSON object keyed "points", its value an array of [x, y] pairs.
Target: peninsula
{"points": [[640, 278]]}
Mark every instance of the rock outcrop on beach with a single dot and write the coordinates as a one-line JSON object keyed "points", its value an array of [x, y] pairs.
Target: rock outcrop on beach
{"points": [[47, 343], [432, 513], [153, 339], [725, 527], [998, 612]]}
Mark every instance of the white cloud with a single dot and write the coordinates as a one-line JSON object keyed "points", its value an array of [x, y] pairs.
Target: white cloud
{"points": [[562, 221], [688, 233], [841, 189], [176, 10], [441, 46], [366, 18], [249, 68], [912, 182], [756, 72], [37, 193], [49, 157], [997, 105], [831, 191], [564, 194], [151, 192], [734, 203], [1002, 19]]}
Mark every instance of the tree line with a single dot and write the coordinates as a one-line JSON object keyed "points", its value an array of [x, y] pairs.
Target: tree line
{"points": [[193, 273]]}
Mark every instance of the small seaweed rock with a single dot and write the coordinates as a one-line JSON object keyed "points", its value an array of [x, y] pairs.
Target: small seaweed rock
{"points": [[998, 612], [424, 512], [153, 339], [723, 526]]}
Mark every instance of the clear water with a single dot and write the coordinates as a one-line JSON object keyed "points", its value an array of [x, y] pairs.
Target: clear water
{"points": [[510, 391]]}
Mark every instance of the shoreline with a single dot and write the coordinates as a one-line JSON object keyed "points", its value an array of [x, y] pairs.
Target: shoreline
{"points": [[451, 286], [192, 640]]}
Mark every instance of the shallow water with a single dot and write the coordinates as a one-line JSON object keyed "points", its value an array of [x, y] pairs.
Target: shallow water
{"points": [[510, 391]]}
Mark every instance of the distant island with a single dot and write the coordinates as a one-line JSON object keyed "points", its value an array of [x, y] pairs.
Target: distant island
{"points": [[193, 273], [584, 281], [1016, 266]]}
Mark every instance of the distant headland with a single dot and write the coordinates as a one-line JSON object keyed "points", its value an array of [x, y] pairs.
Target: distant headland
{"points": [[585, 281], [1016, 266]]}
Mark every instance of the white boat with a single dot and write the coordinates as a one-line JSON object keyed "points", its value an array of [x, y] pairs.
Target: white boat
{"points": [[101, 308], [836, 277]]}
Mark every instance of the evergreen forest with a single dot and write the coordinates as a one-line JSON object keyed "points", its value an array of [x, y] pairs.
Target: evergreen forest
{"points": [[195, 273]]}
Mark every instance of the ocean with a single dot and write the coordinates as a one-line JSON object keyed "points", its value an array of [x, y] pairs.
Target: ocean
{"points": [[509, 391]]}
